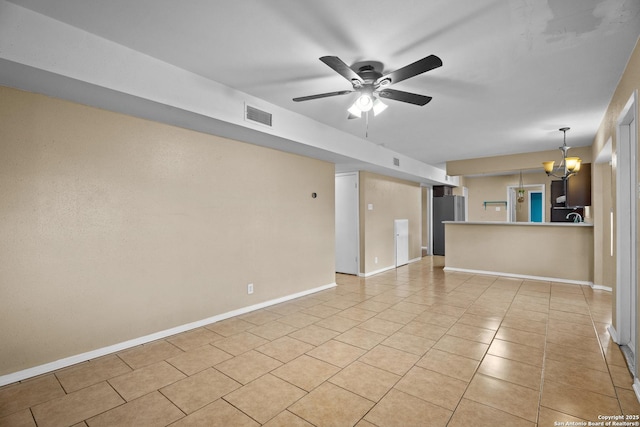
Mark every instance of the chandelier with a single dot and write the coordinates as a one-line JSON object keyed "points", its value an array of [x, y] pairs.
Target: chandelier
{"points": [[568, 167]]}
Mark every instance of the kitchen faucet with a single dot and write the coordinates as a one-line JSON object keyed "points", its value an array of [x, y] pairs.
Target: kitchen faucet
{"points": [[576, 218]]}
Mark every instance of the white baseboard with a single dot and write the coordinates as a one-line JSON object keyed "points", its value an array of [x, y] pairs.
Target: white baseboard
{"points": [[519, 276], [382, 270], [602, 287], [614, 334], [636, 388], [79, 358]]}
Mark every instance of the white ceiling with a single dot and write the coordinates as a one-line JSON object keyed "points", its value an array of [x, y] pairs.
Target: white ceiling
{"points": [[514, 70]]}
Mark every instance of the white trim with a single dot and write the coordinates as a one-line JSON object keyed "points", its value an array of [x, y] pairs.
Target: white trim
{"points": [[614, 334], [393, 267], [512, 203], [382, 270], [601, 287], [430, 219], [519, 276], [83, 357], [626, 227], [636, 388]]}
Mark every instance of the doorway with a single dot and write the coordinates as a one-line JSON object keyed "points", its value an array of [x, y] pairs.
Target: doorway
{"points": [[536, 206], [627, 231], [531, 209], [347, 223], [401, 229]]}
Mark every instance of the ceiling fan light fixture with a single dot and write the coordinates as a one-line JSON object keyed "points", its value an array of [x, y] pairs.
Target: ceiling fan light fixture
{"points": [[378, 107], [354, 110], [364, 102]]}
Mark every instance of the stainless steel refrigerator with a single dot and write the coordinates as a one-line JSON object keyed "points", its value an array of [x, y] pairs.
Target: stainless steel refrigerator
{"points": [[445, 208]]}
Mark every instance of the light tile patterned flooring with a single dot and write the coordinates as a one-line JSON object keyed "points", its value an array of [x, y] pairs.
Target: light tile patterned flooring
{"points": [[410, 347]]}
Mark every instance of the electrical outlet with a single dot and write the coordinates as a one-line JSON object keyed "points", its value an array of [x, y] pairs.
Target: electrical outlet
{"points": [[250, 288], [375, 260]]}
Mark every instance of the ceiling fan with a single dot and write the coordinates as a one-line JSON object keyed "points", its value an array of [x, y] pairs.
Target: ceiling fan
{"points": [[372, 85]]}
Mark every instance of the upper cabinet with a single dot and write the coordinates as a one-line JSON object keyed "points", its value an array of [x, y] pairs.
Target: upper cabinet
{"points": [[579, 187], [578, 195]]}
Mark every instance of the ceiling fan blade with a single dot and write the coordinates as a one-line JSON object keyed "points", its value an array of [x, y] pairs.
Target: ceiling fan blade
{"points": [[411, 98], [341, 68], [421, 66], [322, 95]]}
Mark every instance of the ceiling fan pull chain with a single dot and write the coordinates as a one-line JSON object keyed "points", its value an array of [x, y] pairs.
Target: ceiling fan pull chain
{"points": [[366, 132]]}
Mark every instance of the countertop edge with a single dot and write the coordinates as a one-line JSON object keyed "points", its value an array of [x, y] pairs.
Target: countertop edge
{"points": [[528, 224]]}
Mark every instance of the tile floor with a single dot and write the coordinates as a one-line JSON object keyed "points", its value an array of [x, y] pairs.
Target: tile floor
{"points": [[410, 347]]}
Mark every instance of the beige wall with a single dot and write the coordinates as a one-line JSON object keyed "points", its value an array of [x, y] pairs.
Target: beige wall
{"points": [[115, 227], [522, 249], [391, 199], [514, 162], [605, 193]]}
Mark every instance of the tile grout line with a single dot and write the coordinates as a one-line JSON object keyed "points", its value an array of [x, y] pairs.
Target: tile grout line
{"points": [[602, 352], [544, 356]]}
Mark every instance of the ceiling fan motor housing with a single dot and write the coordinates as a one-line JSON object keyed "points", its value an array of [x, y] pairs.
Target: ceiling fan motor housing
{"points": [[368, 74]]}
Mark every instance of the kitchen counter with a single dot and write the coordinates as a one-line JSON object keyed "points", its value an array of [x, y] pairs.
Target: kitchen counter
{"points": [[554, 251], [534, 224]]}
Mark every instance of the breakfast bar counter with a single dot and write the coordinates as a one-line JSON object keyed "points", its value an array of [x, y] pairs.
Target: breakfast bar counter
{"points": [[556, 251]]}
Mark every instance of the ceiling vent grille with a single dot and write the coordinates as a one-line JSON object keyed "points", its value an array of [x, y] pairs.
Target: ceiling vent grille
{"points": [[396, 161], [259, 116]]}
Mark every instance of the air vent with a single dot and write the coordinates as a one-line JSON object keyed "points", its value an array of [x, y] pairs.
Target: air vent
{"points": [[396, 161], [256, 115]]}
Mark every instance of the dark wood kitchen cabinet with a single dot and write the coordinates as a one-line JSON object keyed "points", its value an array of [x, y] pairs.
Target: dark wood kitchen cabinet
{"points": [[577, 192], [579, 187]]}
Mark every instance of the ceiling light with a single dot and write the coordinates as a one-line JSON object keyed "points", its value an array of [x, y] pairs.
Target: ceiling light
{"points": [[365, 102], [354, 110], [378, 107], [569, 166]]}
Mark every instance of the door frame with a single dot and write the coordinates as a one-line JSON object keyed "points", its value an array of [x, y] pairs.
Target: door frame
{"points": [[627, 231], [512, 200]]}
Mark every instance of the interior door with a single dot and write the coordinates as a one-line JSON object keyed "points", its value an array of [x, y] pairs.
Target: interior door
{"points": [[536, 212], [401, 228], [347, 223]]}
